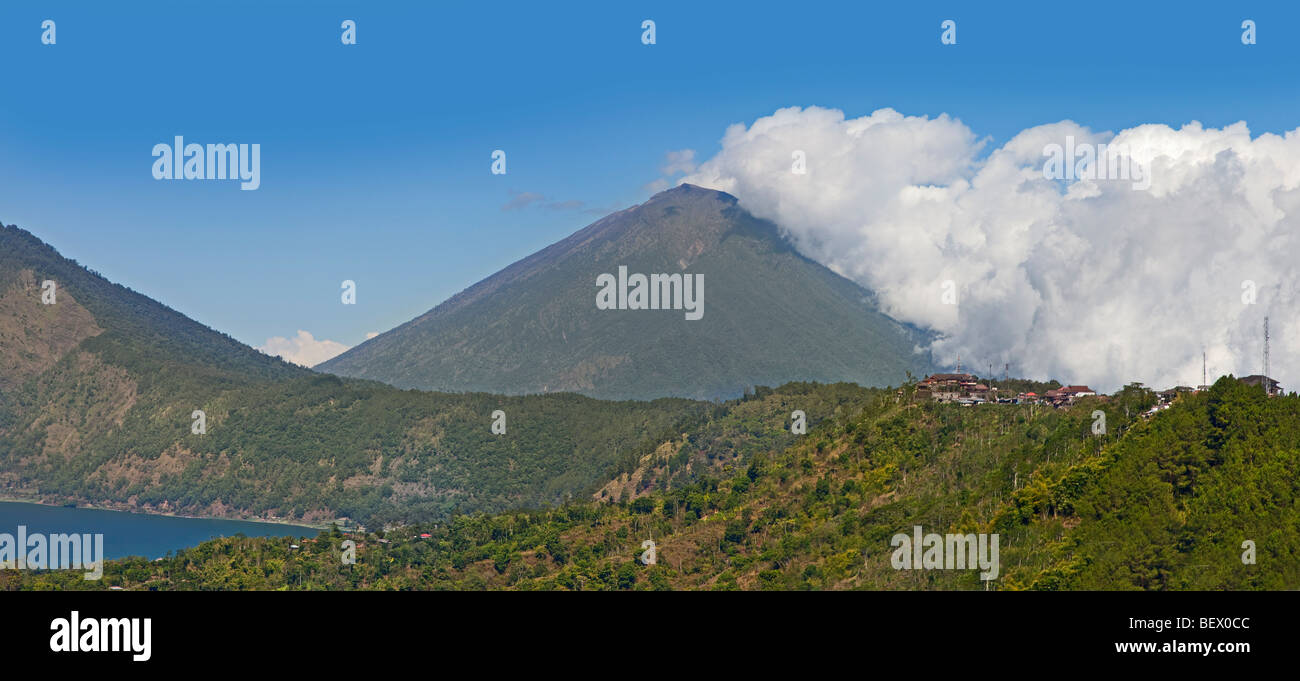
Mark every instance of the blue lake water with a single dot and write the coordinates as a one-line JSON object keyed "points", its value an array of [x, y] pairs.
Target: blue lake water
{"points": [[135, 534]]}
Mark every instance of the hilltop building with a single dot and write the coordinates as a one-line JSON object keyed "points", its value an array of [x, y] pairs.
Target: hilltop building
{"points": [[1168, 396], [960, 388], [1270, 386], [966, 389], [1063, 397]]}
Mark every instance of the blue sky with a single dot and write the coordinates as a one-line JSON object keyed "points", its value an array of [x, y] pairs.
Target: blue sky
{"points": [[375, 157]]}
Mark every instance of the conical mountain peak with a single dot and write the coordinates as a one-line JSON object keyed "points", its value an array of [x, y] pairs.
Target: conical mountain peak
{"points": [[686, 294]]}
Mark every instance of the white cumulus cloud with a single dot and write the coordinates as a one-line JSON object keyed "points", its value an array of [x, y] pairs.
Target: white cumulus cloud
{"points": [[303, 349], [678, 161], [1086, 281]]}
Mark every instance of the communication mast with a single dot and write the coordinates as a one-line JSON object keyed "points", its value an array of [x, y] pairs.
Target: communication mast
{"points": [[1266, 346]]}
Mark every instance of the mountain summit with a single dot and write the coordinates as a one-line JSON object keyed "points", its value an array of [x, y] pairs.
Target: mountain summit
{"points": [[686, 295]]}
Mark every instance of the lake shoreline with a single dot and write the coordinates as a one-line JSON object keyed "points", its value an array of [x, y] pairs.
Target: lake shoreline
{"points": [[9, 497]]}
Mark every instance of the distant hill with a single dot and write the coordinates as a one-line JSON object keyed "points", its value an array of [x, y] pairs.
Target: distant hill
{"points": [[97, 393], [770, 316]]}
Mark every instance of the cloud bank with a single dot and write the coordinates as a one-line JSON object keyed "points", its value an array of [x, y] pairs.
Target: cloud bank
{"points": [[1086, 281], [303, 349]]}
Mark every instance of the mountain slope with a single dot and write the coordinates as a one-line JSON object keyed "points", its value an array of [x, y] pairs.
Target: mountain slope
{"points": [[97, 392], [1159, 504], [770, 316]]}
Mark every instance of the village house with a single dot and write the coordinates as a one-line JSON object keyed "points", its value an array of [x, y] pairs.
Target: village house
{"points": [[1064, 397], [1167, 397], [966, 389], [1155, 409], [943, 387], [959, 388]]}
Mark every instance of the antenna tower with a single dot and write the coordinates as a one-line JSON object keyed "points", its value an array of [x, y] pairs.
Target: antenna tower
{"points": [[1266, 346]]}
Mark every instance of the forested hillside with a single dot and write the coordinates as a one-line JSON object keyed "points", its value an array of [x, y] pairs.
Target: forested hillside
{"points": [[1170, 506], [1158, 504], [98, 392]]}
